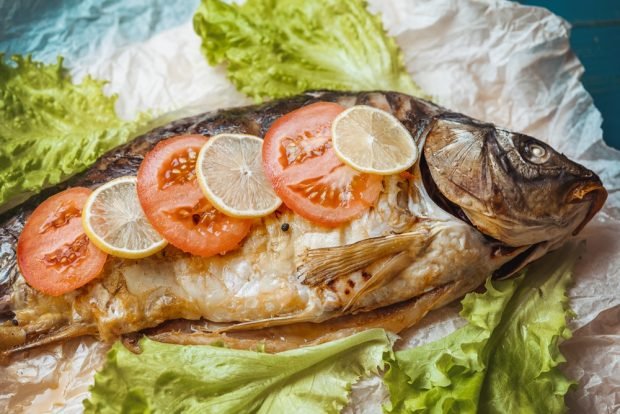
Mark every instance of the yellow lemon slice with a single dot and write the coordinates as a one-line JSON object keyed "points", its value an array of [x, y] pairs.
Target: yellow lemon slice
{"points": [[114, 221], [372, 141], [230, 173]]}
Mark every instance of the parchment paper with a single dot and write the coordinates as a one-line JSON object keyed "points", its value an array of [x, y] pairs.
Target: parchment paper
{"points": [[494, 60]]}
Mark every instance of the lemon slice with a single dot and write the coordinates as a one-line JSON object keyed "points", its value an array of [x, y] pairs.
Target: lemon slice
{"points": [[372, 141], [114, 221], [230, 172]]}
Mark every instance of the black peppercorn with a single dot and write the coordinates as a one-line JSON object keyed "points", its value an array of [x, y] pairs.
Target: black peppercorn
{"points": [[285, 227]]}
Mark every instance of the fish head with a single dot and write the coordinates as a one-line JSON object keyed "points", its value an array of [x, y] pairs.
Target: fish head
{"points": [[512, 187]]}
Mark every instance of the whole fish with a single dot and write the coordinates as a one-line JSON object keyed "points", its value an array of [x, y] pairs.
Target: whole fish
{"points": [[481, 201]]}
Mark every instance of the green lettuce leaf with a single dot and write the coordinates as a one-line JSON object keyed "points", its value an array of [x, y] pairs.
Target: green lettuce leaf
{"points": [[51, 128], [168, 378], [505, 360], [279, 48]]}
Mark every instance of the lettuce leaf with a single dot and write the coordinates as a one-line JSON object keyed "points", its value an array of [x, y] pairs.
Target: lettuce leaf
{"points": [[505, 360], [51, 128], [206, 379], [279, 48]]}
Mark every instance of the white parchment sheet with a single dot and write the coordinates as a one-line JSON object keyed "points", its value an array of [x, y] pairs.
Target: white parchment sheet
{"points": [[493, 60]]}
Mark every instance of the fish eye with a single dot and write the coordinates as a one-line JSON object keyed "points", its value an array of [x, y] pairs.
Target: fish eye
{"points": [[536, 153]]}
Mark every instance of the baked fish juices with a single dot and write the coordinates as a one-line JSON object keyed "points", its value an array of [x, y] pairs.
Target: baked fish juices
{"points": [[480, 201]]}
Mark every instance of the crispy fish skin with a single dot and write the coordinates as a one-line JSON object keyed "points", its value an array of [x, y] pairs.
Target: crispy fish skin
{"points": [[418, 248]]}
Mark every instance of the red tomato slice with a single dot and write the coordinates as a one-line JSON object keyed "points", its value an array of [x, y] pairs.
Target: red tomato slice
{"points": [[53, 253], [175, 206], [306, 173]]}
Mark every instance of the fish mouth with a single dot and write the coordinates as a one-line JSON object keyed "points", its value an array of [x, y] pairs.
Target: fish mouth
{"points": [[591, 192]]}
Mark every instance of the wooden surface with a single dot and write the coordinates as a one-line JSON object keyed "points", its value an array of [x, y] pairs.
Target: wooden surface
{"points": [[595, 39]]}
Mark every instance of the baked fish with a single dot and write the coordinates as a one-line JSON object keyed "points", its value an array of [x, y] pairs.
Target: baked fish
{"points": [[481, 201]]}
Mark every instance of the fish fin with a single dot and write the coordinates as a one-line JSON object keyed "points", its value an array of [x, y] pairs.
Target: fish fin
{"points": [[383, 271], [321, 266], [394, 318], [264, 323], [308, 315], [64, 333]]}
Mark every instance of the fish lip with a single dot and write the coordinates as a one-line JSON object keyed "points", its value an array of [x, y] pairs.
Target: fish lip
{"points": [[592, 192]]}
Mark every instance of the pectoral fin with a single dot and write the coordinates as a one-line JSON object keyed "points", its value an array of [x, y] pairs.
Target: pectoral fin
{"points": [[381, 272], [321, 266]]}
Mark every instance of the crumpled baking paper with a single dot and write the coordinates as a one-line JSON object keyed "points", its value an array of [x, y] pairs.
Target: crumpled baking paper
{"points": [[493, 60]]}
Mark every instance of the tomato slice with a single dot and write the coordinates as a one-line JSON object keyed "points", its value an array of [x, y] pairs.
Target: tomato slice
{"points": [[53, 253], [175, 206], [306, 173]]}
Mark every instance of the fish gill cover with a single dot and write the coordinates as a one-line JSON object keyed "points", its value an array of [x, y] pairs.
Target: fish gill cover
{"points": [[280, 48], [51, 128]]}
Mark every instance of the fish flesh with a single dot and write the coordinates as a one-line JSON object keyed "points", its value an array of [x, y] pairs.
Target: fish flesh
{"points": [[480, 201]]}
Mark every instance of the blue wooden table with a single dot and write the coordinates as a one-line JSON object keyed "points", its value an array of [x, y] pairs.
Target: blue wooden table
{"points": [[595, 38]]}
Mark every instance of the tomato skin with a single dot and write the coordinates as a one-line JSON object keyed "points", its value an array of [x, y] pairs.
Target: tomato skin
{"points": [[306, 173], [176, 207], [52, 234]]}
